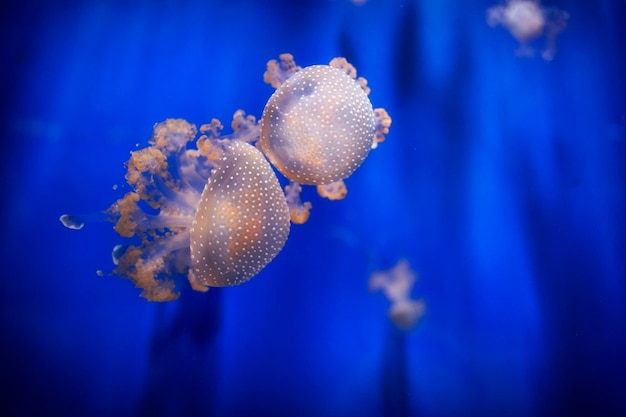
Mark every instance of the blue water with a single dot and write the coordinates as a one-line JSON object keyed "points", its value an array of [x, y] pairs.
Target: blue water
{"points": [[503, 182]]}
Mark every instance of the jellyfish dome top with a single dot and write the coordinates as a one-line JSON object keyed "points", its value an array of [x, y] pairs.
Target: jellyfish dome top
{"points": [[216, 211]]}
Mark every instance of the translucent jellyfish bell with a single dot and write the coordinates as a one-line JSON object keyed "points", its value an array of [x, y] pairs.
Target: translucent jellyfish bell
{"points": [[318, 127], [242, 221]]}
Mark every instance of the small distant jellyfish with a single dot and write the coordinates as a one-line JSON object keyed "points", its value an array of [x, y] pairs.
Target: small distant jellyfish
{"points": [[527, 21], [397, 283], [216, 212]]}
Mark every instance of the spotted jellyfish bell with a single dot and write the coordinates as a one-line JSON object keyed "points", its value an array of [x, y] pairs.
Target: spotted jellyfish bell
{"points": [[319, 125], [242, 221]]}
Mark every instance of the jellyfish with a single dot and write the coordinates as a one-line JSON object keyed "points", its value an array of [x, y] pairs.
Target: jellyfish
{"points": [[397, 283], [209, 206], [527, 20], [317, 127]]}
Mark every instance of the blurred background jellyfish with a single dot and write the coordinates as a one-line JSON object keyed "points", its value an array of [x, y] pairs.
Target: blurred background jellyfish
{"points": [[216, 212], [396, 283], [527, 21]]}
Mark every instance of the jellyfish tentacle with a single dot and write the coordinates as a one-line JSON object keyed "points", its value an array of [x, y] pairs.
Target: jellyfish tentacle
{"points": [[78, 221], [383, 123], [334, 191], [245, 127], [172, 200], [298, 211], [279, 71], [343, 64], [189, 166]]}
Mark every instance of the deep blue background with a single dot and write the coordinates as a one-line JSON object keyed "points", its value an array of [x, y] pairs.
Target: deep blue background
{"points": [[503, 182]]}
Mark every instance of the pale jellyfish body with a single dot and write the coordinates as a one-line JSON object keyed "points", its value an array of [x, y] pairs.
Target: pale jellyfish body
{"points": [[242, 220], [318, 127]]}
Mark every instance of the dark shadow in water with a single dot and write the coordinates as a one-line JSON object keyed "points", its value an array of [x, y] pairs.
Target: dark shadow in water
{"points": [[395, 379], [407, 55], [181, 373], [584, 369]]}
